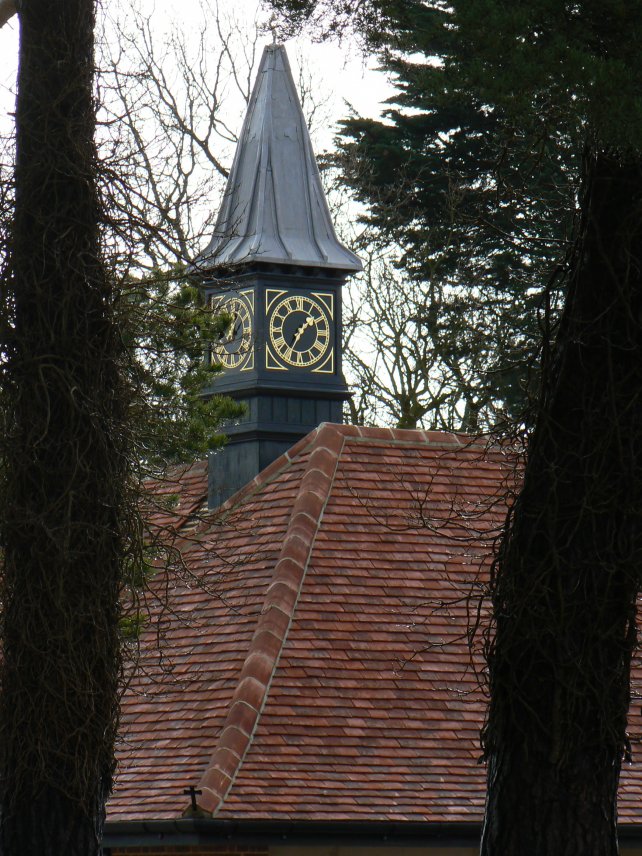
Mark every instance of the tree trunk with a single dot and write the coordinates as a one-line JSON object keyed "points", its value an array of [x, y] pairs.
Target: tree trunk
{"points": [[63, 458], [567, 575], [52, 825], [7, 11]]}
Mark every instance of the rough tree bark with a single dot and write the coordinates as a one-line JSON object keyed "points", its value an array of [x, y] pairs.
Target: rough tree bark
{"points": [[568, 570], [63, 458]]}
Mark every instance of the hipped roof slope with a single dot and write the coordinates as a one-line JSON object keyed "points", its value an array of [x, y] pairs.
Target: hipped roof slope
{"points": [[315, 654]]}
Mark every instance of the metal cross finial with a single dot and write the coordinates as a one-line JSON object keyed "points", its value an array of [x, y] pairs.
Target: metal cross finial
{"points": [[192, 792]]}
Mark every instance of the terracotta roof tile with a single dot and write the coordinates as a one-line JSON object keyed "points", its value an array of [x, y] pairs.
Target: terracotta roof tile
{"points": [[314, 660]]}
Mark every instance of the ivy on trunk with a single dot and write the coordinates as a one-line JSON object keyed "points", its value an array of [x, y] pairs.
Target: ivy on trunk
{"points": [[64, 457]]}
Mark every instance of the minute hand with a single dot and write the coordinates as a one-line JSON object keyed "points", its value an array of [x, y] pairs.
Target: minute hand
{"points": [[309, 322]]}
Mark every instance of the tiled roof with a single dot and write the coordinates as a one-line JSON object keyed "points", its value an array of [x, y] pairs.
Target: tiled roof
{"points": [[314, 661]]}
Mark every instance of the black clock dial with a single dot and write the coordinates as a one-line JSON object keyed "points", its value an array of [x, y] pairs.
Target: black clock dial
{"points": [[235, 342], [299, 330]]}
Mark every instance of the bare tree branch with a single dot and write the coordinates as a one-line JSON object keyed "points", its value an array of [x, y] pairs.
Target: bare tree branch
{"points": [[173, 107]]}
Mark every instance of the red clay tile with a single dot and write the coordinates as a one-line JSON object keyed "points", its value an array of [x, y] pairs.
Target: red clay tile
{"points": [[258, 666], [283, 595], [243, 716], [289, 572], [249, 691], [235, 740]]}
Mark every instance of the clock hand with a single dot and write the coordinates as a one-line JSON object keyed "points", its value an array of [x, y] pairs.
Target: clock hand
{"points": [[309, 321], [232, 330]]}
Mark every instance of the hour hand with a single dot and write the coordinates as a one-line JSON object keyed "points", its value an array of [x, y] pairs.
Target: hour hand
{"points": [[309, 321], [231, 331]]}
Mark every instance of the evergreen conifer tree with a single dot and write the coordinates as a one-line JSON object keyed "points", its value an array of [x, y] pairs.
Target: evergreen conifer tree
{"points": [[479, 211]]}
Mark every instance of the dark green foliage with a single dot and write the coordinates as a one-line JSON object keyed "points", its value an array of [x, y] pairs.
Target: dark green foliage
{"points": [[567, 67], [169, 330]]}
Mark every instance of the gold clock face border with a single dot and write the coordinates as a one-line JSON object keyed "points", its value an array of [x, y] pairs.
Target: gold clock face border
{"points": [[288, 354], [241, 305]]}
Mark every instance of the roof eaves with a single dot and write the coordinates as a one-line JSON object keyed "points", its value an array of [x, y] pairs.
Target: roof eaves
{"points": [[250, 834], [276, 615]]}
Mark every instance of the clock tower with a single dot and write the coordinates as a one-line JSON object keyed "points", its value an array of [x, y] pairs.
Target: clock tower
{"points": [[275, 268]]}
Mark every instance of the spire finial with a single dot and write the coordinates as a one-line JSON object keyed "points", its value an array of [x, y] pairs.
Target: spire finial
{"points": [[272, 26]]}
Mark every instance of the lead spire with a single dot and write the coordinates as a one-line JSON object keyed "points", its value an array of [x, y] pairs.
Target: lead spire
{"points": [[274, 209]]}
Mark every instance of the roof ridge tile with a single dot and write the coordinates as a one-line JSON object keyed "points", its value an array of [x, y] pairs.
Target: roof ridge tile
{"points": [[269, 474], [276, 615]]}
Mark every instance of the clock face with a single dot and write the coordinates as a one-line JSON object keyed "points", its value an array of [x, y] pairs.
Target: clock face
{"points": [[234, 344], [299, 330]]}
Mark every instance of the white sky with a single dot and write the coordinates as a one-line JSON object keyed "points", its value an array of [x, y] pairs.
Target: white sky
{"points": [[8, 64], [339, 70]]}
